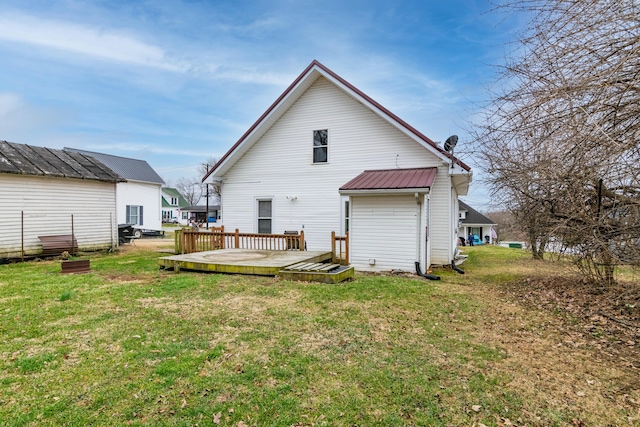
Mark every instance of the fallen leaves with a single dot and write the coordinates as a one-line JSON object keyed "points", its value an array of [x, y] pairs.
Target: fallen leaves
{"points": [[610, 315]]}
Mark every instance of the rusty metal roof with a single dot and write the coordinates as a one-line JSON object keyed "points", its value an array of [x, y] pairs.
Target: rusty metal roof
{"points": [[22, 159], [392, 179]]}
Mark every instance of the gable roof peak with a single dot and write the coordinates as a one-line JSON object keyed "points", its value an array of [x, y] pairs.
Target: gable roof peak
{"points": [[295, 90]]}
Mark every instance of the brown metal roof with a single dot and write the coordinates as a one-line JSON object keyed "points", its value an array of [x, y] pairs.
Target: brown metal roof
{"points": [[392, 179]]}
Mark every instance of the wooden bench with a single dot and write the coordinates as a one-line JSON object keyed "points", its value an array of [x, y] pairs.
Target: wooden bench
{"points": [[56, 245]]}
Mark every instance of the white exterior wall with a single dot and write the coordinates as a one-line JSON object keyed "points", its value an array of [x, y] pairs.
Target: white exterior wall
{"points": [[48, 205], [280, 165], [442, 220], [384, 234], [141, 194], [172, 212]]}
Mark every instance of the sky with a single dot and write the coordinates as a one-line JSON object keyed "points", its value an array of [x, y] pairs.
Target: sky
{"points": [[177, 82]]}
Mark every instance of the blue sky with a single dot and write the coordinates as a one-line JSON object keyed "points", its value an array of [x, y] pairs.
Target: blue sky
{"points": [[174, 82]]}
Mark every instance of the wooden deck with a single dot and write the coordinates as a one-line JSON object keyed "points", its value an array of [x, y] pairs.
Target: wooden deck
{"points": [[242, 261]]}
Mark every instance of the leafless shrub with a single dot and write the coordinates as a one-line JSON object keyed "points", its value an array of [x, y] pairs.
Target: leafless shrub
{"points": [[561, 132]]}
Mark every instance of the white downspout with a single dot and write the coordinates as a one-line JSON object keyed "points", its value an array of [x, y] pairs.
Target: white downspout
{"points": [[425, 226], [418, 227]]}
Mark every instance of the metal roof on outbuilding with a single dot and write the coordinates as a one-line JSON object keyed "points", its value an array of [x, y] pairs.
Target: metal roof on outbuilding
{"points": [[127, 168], [22, 159], [392, 179]]}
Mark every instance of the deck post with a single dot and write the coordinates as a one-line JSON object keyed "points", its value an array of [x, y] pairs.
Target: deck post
{"points": [[237, 239], [333, 247], [302, 240], [343, 257], [346, 248], [177, 240]]}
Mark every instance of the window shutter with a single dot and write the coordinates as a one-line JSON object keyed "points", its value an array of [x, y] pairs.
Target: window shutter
{"points": [[141, 216], [128, 215]]}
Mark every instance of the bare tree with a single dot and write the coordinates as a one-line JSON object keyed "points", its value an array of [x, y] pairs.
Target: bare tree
{"points": [[562, 131], [190, 188], [507, 227], [214, 188]]}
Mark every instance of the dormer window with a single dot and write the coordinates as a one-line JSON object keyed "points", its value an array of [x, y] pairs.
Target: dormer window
{"points": [[320, 146]]}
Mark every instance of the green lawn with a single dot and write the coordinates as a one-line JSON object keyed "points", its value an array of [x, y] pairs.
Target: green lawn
{"points": [[128, 344]]}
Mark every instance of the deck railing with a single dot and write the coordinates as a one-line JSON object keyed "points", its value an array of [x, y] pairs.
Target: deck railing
{"points": [[340, 248], [189, 241]]}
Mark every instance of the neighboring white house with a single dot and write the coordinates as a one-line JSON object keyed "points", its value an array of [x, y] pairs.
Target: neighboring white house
{"points": [[474, 223], [173, 204], [326, 157], [139, 197], [45, 192]]}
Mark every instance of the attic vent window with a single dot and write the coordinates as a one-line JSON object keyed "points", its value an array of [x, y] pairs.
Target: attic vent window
{"points": [[320, 146]]}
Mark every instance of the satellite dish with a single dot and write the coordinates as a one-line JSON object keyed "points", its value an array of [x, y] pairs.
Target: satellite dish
{"points": [[450, 143]]}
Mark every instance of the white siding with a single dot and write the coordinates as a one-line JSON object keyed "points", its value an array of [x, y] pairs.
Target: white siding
{"points": [[384, 231], [45, 206], [141, 194], [280, 165], [441, 219]]}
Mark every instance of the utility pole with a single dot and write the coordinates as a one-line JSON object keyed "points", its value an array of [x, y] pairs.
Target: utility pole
{"points": [[207, 184]]}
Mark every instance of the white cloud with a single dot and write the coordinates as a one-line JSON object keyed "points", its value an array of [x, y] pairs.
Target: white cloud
{"points": [[123, 47], [21, 120], [9, 102], [104, 44]]}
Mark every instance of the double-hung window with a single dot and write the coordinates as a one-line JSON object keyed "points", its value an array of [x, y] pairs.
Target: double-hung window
{"points": [[320, 146], [134, 215], [264, 216]]}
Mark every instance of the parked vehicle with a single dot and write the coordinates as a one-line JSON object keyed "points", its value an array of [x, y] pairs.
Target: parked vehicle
{"points": [[126, 232], [169, 220], [140, 232]]}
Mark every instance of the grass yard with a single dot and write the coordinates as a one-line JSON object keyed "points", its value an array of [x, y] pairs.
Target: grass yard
{"points": [[128, 344]]}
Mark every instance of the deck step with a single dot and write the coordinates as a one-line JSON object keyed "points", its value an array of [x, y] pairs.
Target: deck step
{"points": [[312, 266]]}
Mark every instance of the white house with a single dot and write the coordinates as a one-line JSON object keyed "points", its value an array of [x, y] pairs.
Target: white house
{"points": [[173, 204], [45, 192], [139, 195], [326, 157], [474, 223]]}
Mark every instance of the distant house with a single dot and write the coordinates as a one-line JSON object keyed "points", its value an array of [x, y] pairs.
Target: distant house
{"points": [[199, 214], [45, 192], [472, 221], [139, 196], [326, 157], [173, 204]]}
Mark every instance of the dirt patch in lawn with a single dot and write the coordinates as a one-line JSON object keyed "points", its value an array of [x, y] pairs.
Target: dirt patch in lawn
{"points": [[148, 244]]}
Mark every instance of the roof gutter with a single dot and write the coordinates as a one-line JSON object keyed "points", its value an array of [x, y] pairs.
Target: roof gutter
{"points": [[383, 191]]}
